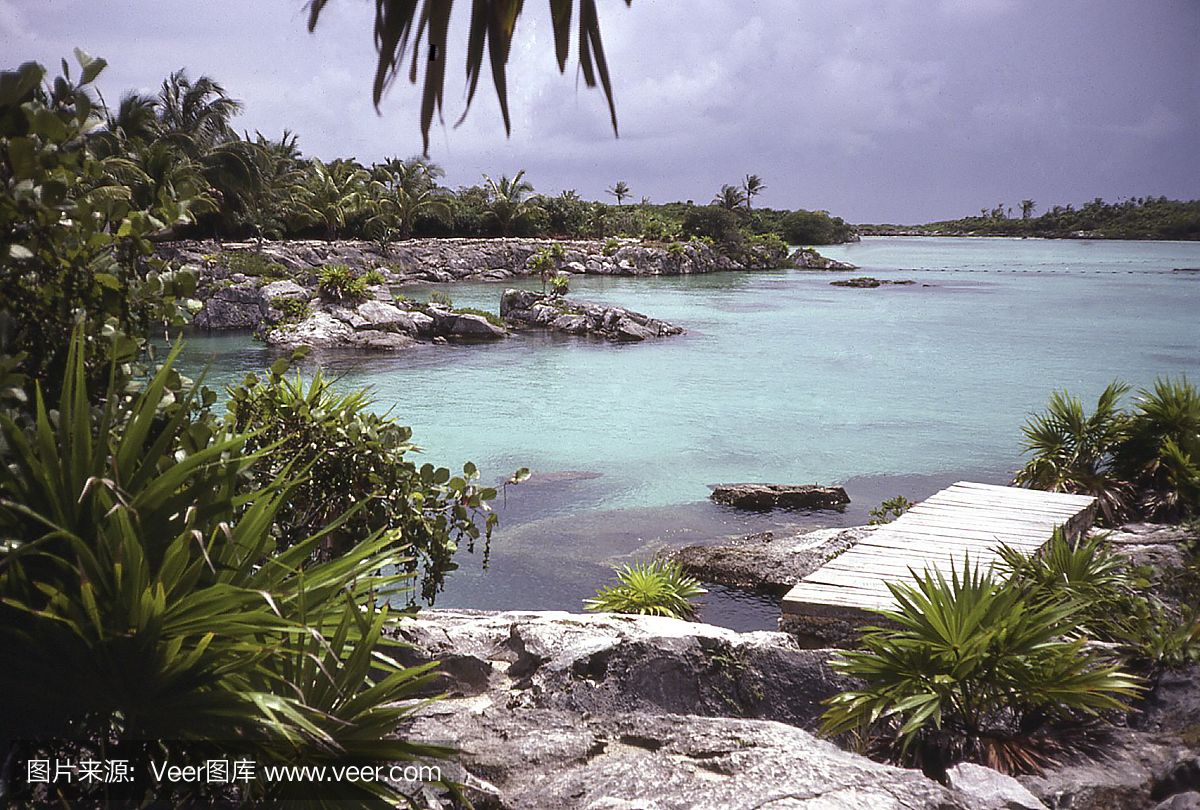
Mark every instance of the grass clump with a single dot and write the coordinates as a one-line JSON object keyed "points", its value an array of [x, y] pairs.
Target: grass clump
{"points": [[337, 282], [256, 265], [655, 588]]}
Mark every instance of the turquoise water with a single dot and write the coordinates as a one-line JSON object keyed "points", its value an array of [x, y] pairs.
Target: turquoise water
{"points": [[781, 377]]}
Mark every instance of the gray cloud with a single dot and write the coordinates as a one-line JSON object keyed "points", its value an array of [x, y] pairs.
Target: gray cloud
{"points": [[878, 110]]}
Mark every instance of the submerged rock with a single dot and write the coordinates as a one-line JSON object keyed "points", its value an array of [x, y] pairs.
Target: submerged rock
{"points": [[579, 318], [869, 283], [785, 496]]}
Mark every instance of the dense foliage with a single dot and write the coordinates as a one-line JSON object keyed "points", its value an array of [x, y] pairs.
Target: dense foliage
{"points": [[1144, 461], [656, 588], [355, 463], [1138, 218], [145, 608], [173, 583]]}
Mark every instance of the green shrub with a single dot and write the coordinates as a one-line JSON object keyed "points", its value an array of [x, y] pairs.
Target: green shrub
{"points": [[560, 285], [145, 611], [293, 309], [374, 277], [676, 250], [337, 282], [441, 298], [889, 510], [356, 458], [611, 246], [252, 264], [1111, 597], [657, 588], [1145, 461], [1161, 452], [718, 224], [545, 263], [973, 669], [1074, 451]]}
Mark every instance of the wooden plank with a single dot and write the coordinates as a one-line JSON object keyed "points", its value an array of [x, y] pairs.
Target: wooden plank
{"points": [[1033, 495], [965, 520]]}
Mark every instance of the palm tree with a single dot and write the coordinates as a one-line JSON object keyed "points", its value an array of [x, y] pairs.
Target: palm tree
{"points": [[730, 198], [333, 194], [620, 190], [752, 186], [491, 29], [197, 113], [507, 200], [1027, 207]]}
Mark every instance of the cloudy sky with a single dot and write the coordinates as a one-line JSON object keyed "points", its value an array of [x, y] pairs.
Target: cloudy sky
{"points": [[876, 110]]}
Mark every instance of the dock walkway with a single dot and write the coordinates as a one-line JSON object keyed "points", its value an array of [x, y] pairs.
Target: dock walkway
{"points": [[963, 519]]}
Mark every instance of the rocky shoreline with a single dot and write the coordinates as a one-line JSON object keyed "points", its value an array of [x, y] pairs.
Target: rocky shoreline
{"points": [[561, 710], [276, 291]]}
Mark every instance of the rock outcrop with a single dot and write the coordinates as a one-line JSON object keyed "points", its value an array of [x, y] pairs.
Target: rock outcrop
{"points": [[767, 562], [869, 283], [560, 710], [580, 318], [807, 258], [445, 260], [779, 496]]}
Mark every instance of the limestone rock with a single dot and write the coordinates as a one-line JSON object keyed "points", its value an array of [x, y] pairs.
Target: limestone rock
{"points": [[788, 496], [384, 317], [807, 258], [288, 290], [240, 306], [474, 327], [581, 318], [767, 562], [555, 760], [319, 330], [991, 790]]}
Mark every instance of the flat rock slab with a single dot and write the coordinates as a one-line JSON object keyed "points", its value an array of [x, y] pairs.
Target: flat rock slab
{"points": [[779, 496], [767, 562]]}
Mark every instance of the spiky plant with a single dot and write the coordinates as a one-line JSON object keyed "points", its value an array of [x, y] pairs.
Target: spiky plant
{"points": [[656, 588], [145, 610], [972, 668], [1162, 450], [1074, 451]]}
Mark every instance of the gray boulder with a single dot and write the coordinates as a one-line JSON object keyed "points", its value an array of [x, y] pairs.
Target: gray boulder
{"points": [[787, 496], [551, 759], [240, 306], [384, 317], [581, 318], [807, 258], [287, 289], [473, 327], [989, 789], [319, 330], [606, 663]]}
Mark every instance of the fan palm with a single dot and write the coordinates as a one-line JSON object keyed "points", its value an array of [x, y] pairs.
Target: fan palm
{"points": [[730, 198], [752, 186], [620, 190], [1074, 451], [1162, 451], [332, 194], [196, 114], [508, 201]]}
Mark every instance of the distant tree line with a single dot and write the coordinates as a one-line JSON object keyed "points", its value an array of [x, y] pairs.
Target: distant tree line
{"points": [[1136, 218]]}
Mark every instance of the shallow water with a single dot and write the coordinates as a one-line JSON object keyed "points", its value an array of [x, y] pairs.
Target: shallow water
{"points": [[781, 377]]}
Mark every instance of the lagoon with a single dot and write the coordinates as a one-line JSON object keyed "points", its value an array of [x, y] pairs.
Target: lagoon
{"points": [[781, 378]]}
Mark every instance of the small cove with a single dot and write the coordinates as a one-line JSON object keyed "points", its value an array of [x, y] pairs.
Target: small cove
{"points": [[781, 377]]}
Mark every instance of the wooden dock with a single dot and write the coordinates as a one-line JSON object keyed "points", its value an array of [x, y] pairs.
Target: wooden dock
{"points": [[963, 519]]}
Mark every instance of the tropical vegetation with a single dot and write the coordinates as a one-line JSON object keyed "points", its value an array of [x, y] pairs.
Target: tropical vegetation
{"points": [[175, 582], [655, 588], [1134, 218], [1143, 461], [976, 668]]}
